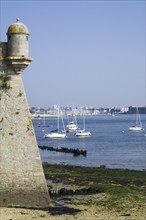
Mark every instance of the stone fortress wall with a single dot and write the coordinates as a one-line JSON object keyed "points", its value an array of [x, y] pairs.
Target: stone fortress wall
{"points": [[22, 179]]}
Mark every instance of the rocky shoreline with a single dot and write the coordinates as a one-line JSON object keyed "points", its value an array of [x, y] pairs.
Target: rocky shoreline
{"points": [[88, 193]]}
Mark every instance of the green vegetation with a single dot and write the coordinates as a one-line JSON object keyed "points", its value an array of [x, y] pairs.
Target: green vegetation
{"points": [[99, 175], [124, 188], [4, 81]]}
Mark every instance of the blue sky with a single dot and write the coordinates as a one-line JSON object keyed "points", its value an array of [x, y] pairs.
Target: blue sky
{"points": [[85, 53]]}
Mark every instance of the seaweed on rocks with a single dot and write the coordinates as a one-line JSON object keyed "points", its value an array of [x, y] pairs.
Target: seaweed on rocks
{"points": [[75, 152]]}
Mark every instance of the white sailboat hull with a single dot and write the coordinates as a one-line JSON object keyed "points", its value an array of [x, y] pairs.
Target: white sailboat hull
{"points": [[135, 128], [71, 127], [55, 135], [82, 133]]}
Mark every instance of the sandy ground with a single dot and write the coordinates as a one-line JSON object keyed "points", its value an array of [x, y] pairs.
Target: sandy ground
{"points": [[74, 208]]}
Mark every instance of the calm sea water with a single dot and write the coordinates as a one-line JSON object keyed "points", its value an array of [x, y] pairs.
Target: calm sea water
{"points": [[111, 143]]}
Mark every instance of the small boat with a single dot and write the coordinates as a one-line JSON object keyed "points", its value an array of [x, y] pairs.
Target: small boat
{"points": [[83, 132], [138, 125], [135, 128], [71, 127], [56, 133]]}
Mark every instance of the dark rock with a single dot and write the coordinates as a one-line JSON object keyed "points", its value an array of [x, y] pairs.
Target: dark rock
{"points": [[91, 190], [77, 192], [63, 210], [70, 192], [75, 152], [63, 191], [83, 191]]}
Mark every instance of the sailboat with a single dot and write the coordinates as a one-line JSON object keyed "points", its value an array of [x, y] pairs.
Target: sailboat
{"points": [[56, 133], [72, 125], [83, 132], [138, 125]]}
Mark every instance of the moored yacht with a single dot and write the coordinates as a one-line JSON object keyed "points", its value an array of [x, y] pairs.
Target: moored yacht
{"points": [[71, 127], [82, 133], [57, 133], [138, 124]]}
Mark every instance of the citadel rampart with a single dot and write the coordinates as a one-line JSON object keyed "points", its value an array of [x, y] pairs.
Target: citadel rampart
{"points": [[22, 179]]}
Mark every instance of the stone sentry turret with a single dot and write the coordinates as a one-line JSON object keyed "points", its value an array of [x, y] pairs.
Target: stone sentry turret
{"points": [[22, 181]]}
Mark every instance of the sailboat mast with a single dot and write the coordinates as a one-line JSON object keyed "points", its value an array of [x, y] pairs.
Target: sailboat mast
{"points": [[62, 122], [44, 118], [138, 119], [58, 120], [83, 120]]}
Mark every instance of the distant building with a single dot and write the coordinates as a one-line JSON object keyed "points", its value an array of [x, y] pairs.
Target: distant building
{"points": [[132, 110]]}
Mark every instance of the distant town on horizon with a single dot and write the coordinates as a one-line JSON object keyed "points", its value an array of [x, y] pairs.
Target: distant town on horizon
{"points": [[69, 111]]}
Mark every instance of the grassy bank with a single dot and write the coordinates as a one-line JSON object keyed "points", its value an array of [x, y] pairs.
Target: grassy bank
{"points": [[125, 189]]}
